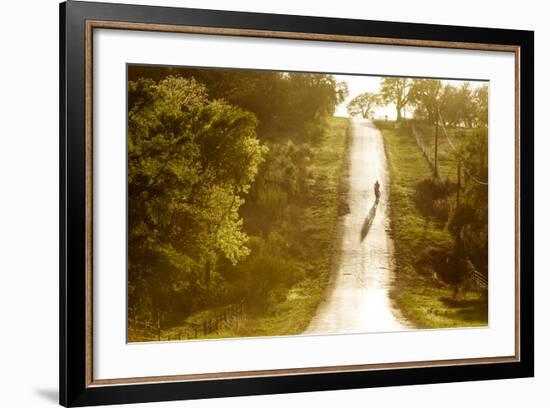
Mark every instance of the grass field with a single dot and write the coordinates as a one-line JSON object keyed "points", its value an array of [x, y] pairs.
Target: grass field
{"points": [[424, 300], [447, 163], [314, 227]]}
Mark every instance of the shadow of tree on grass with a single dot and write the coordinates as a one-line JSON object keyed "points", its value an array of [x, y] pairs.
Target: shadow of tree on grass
{"points": [[472, 310]]}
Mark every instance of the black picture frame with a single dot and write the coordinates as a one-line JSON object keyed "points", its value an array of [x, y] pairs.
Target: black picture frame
{"points": [[75, 389]]}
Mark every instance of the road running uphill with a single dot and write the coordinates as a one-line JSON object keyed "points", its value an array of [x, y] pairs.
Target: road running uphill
{"points": [[357, 300]]}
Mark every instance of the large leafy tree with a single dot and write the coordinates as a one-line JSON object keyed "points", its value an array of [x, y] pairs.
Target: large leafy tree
{"points": [[363, 104], [396, 91], [191, 161], [481, 100], [311, 96], [459, 107], [427, 95]]}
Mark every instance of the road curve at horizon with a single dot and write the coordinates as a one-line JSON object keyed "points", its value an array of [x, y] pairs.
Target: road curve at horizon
{"points": [[357, 299]]}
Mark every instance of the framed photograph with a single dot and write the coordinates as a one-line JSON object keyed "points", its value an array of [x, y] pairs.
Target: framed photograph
{"points": [[256, 204]]}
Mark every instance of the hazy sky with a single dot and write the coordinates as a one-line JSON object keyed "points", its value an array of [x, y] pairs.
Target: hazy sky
{"points": [[359, 84]]}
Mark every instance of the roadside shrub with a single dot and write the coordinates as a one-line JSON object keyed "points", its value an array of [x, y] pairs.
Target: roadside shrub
{"points": [[432, 197], [272, 201], [443, 264], [314, 131], [267, 273], [469, 228]]}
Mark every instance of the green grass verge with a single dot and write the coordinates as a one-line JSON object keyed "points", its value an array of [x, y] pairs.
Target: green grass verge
{"points": [[425, 301], [447, 162], [289, 317]]}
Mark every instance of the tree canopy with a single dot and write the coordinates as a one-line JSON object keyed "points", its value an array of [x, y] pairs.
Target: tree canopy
{"points": [[458, 105], [426, 95], [396, 91], [286, 104], [190, 159], [363, 104]]}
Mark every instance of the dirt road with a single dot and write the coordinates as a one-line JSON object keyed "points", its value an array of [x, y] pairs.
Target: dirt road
{"points": [[358, 300]]}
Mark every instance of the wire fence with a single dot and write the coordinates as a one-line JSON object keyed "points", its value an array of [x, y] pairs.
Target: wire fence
{"points": [[479, 278], [425, 152], [215, 321], [425, 149], [458, 155]]}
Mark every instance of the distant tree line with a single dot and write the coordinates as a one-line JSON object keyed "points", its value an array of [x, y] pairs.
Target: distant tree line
{"points": [[458, 105]]}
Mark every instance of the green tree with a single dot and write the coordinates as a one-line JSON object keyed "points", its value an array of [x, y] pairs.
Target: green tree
{"points": [[481, 101], [363, 104], [396, 91], [459, 108], [427, 97], [468, 221], [451, 109], [191, 161], [308, 100], [458, 105]]}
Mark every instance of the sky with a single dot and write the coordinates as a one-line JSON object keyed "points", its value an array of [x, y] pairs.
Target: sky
{"points": [[357, 84]]}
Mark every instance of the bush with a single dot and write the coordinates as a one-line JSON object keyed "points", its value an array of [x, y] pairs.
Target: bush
{"points": [[432, 197], [313, 131], [267, 273], [272, 201], [444, 264], [469, 228]]}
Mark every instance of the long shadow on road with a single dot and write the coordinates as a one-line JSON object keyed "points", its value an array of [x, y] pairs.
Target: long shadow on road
{"points": [[368, 221]]}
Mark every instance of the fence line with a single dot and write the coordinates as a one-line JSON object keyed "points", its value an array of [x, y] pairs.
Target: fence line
{"points": [[425, 152], [143, 330], [480, 279], [457, 153], [147, 331]]}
